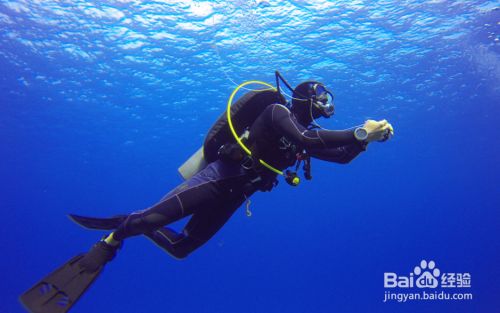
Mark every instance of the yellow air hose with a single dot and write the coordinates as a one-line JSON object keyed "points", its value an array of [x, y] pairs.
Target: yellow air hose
{"points": [[296, 180]]}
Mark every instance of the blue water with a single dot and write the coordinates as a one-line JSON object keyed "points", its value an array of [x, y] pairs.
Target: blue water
{"points": [[101, 102]]}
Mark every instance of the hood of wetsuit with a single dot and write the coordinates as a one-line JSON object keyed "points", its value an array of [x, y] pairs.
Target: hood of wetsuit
{"points": [[311, 100]]}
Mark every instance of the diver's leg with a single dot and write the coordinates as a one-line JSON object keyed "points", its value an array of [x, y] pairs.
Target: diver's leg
{"points": [[206, 189], [200, 228], [180, 203], [178, 245]]}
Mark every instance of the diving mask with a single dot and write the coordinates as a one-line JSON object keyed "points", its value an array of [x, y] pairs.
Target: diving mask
{"points": [[323, 100]]}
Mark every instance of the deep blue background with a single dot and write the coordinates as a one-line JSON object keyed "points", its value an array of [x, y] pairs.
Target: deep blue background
{"points": [[90, 126]]}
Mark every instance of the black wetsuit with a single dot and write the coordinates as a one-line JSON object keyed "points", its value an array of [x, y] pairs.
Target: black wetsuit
{"points": [[213, 195]]}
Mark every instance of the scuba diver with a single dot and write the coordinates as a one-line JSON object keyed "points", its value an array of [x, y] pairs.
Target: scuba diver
{"points": [[249, 146]]}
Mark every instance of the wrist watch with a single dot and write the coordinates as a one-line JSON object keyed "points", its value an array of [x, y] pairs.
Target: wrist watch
{"points": [[361, 134]]}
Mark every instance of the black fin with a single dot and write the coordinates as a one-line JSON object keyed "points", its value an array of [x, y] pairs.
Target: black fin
{"points": [[59, 291], [107, 223]]}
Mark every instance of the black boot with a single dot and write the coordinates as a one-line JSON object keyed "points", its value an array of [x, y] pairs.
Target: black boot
{"points": [[100, 254]]}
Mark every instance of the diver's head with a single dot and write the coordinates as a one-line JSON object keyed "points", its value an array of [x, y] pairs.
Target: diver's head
{"points": [[311, 100]]}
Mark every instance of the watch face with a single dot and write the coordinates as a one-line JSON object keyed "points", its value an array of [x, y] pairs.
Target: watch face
{"points": [[361, 133]]}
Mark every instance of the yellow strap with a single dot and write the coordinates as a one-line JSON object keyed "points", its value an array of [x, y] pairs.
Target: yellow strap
{"points": [[110, 240]]}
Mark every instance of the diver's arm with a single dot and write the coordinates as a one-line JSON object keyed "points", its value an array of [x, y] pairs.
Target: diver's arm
{"points": [[282, 121], [342, 155]]}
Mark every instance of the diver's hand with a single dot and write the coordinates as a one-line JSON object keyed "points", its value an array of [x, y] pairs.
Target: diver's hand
{"points": [[378, 131]]}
